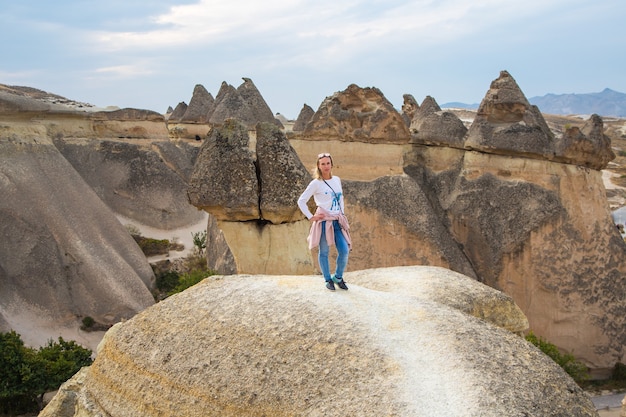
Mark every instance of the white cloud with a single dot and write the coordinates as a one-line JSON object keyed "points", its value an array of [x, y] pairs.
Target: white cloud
{"points": [[125, 71], [329, 29]]}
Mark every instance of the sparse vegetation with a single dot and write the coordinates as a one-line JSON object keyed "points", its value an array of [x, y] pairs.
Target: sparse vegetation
{"points": [[132, 229], [199, 241], [189, 279], [617, 382], [171, 281], [151, 247], [89, 324], [619, 372], [177, 276]]}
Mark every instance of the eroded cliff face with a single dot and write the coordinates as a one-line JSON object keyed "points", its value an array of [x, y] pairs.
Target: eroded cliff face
{"points": [[63, 254], [541, 232], [67, 171], [532, 216]]}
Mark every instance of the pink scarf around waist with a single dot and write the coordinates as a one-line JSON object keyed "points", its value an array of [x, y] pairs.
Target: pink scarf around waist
{"points": [[315, 234]]}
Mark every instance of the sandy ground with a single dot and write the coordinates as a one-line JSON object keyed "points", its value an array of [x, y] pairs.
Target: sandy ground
{"points": [[606, 178], [182, 235]]}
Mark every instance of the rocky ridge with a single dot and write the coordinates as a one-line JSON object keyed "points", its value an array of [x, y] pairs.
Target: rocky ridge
{"points": [[357, 114], [244, 103]]}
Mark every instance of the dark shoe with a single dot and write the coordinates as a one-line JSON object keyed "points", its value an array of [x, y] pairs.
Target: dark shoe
{"points": [[330, 285], [342, 284]]}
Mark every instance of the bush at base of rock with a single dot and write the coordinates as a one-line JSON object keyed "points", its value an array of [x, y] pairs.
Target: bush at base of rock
{"points": [[574, 368], [151, 247]]}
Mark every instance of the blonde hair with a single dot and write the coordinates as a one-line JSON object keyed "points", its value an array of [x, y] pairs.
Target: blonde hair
{"points": [[316, 171]]}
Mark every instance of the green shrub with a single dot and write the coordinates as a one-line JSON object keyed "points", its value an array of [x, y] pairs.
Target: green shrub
{"points": [[199, 241], [151, 247], [619, 372], [27, 374], [88, 322], [577, 370], [189, 279], [167, 281]]}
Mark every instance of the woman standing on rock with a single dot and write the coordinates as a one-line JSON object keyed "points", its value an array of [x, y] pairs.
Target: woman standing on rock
{"points": [[329, 225]]}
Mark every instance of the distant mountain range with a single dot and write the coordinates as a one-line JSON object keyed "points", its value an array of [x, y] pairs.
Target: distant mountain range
{"points": [[605, 103]]}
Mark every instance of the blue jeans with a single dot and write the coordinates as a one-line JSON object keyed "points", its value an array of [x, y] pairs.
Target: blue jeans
{"points": [[342, 252]]}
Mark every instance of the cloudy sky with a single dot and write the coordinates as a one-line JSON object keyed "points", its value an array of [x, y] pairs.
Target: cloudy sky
{"points": [[150, 54]]}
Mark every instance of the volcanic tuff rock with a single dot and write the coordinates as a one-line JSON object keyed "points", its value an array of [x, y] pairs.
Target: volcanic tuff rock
{"points": [[91, 265], [178, 112], [230, 104], [64, 118], [200, 106], [144, 183], [537, 229], [357, 114], [244, 188], [507, 123], [244, 103], [224, 181], [282, 177], [588, 146], [366, 135], [28, 99], [232, 180], [395, 223], [409, 108], [64, 255], [515, 206], [261, 112], [219, 256], [304, 117], [273, 345], [432, 126]]}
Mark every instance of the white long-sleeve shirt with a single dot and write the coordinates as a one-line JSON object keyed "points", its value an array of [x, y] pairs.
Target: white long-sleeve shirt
{"points": [[323, 195]]}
